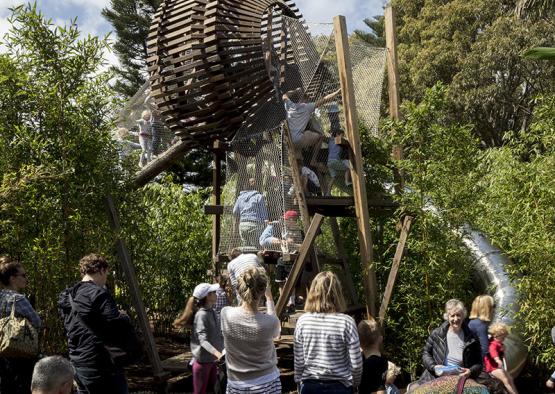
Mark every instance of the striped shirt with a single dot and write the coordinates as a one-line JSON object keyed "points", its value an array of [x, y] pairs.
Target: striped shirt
{"points": [[327, 348], [239, 265]]}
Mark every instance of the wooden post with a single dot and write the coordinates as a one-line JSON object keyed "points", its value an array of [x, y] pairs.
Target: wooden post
{"points": [[134, 290], [299, 193], [155, 167], [393, 84], [395, 266], [298, 265], [217, 150], [336, 234], [357, 171]]}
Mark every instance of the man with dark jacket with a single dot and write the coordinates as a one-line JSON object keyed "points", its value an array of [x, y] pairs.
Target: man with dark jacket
{"points": [[92, 322]]}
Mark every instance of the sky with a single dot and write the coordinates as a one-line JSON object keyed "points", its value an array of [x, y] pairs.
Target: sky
{"points": [[90, 20]]}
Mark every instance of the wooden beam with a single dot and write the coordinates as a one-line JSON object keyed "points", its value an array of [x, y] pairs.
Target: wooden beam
{"points": [[155, 167], [299, 190], [213, 209], [357, 170], [336, 234], [392, 63], [134, 290], [298, 265], [395, 266], [216, 200], [393, 86]]}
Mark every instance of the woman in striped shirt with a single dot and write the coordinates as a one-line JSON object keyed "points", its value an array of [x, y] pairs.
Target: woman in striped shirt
{"points": [[327, 348]]}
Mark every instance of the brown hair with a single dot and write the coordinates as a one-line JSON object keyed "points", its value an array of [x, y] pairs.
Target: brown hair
{"points": [[482, 308], [187, 317], [8, 268], [92, 264], [369, 332], [325, 294], [235, 252], [251, 285], [225, 285]]}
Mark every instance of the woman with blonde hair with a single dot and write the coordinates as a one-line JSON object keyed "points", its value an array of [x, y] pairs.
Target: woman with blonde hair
{"points": [[480, 319], [327, 348], [248, 337]]}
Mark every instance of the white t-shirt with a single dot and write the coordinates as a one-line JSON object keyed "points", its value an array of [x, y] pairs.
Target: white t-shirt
{"points": [[298, 116], [311, 175]]}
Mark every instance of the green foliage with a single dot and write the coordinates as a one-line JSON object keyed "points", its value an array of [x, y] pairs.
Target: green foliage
{"points": [[169, 239], [474, 48], [376, 35], [540, 53], [57, 160], [130, 20], [518, 208]]}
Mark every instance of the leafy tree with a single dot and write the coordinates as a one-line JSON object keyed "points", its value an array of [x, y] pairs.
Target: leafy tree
{"points": [[57, 159], [535, 8], [376, 35], [474, 48], [131, 22]]}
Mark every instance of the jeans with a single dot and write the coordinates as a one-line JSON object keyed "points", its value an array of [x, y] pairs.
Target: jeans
{"points": [[324, 387], [15, 375], [94, 381]]}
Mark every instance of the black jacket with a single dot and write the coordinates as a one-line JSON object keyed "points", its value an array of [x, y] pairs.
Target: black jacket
{"points": [[435, 352], [99, 323]]}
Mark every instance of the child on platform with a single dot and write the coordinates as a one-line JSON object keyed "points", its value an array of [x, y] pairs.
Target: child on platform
{"points": [[493, 361], [378, 374], [206, 338], [145, 137]]}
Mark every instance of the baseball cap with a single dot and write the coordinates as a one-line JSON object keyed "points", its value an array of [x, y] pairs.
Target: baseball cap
{"points": [[202, 290], [291, 215]]}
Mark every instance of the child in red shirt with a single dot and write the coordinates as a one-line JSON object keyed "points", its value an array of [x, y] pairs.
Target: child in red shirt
{"points": [[493, 360]]}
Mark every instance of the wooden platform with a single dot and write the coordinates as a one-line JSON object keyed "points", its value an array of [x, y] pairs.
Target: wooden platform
{"points": [[378, 205]]}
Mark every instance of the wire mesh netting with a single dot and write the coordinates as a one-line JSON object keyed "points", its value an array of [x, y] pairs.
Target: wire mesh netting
{"points": [[141, 131], [260, 206]]}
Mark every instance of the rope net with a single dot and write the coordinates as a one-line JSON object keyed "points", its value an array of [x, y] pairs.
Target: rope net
{"points": [[261, 209]]}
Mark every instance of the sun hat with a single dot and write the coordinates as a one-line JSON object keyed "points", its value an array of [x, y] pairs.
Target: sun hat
{"points": [[202, 290]]}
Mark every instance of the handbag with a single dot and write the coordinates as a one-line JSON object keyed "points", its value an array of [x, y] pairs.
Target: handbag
{"points": [[128, 348], [451, 384], [18, 337]]}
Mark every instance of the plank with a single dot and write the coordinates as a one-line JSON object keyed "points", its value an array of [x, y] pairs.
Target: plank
{"points": [[298, 265], [399, 252], [134, 290], [357, 170]]}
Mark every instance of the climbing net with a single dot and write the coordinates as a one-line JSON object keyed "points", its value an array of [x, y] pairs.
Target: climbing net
{"points": [[259, 190]]}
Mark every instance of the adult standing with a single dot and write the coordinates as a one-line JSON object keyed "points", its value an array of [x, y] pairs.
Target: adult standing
{"points": [[250, 209], [15, 373], [327, 349], [239, 263], [481, 315], [452, 345], [52, 375], [248, 338], [92, 320]]}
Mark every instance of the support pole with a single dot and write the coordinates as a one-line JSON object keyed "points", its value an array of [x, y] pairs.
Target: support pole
{"points": [[216, 200], [357, 170], [299, 192], [393, 85], [399, 252], [134, 291], [298, 265]]}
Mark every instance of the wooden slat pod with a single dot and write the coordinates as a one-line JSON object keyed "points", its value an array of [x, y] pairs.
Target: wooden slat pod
{"points": [[206, 61]]}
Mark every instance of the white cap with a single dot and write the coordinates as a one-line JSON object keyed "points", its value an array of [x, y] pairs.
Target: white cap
{"points": [[202, 290]]}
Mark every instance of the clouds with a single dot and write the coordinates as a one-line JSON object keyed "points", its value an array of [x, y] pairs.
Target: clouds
{"points": [[355, 11]]}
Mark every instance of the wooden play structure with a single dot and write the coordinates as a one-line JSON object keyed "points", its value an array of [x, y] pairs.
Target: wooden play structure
{"points": [[216, 70]]}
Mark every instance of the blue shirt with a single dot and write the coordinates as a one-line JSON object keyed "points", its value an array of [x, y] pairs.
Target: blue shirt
{"points": [[480, 329], [250, 207], [23, 308], [266, 235], [334, 150]]}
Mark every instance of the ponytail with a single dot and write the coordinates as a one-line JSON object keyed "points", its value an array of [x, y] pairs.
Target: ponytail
{"points": [[188, 316]]}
